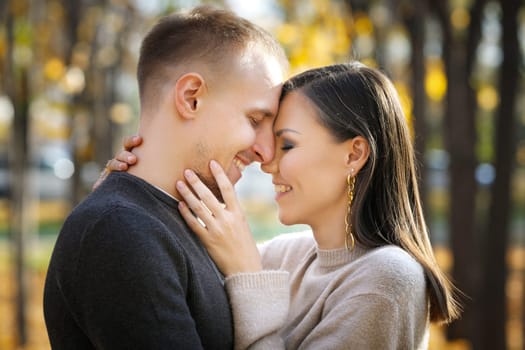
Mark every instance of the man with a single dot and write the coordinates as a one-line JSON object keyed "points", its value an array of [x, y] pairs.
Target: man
{"points": [[126, 271]]}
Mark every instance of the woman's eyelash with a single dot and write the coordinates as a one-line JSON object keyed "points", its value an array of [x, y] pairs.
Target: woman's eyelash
{"points": [[287, 146]]}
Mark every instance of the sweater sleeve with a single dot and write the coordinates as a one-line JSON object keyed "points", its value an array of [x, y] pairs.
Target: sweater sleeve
{"points": [[260, 303]]}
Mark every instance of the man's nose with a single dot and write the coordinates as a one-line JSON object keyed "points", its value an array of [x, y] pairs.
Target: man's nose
{"points": [[264, 149]]}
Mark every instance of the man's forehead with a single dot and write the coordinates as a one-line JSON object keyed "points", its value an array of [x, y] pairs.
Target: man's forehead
{"points": [[256, 58], [263, 99]]}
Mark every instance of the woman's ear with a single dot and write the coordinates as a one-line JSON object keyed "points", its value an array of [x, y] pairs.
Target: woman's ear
{"points": [[358, 152], [189, 90]]}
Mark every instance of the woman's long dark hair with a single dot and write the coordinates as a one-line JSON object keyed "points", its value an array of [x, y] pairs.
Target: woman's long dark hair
{"points": [[355, 100]]}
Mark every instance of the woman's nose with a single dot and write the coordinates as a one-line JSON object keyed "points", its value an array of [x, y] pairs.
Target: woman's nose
{"points": [[269, 167]]}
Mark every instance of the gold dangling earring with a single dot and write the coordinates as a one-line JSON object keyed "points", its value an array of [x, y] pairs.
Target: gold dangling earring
{"points": [[350, 180]]}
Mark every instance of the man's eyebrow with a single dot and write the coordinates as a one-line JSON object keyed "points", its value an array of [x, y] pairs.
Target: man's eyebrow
{"points": [[281, 131], [266, 113]]}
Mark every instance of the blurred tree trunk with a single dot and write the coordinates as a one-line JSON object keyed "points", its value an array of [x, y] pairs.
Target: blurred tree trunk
{"points": [[19, 200], [415, 22], [102, 131], [100, 92], [104, 95], [86, 137], [17, 90], [72, 20], [459, 49], [494, 317], [97, 97]]}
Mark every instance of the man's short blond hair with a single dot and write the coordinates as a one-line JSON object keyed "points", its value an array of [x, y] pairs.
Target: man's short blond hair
{"points": [[206, 35]]}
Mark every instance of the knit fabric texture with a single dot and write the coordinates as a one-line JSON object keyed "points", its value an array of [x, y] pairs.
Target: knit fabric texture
{"points": [[127, 273], [308, 298]]}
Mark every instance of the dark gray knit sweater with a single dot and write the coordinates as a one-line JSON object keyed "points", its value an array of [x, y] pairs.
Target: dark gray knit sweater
{"points": [[127, 273]]}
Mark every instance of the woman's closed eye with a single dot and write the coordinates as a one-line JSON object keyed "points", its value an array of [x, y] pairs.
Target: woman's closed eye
{"points": [[286, 146]]}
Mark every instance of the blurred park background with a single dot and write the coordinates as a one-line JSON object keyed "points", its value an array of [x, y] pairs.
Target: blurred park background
{"points": [[68, 95]]}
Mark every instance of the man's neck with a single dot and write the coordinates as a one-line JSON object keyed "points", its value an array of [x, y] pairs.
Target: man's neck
{"points": [[156, 171]]}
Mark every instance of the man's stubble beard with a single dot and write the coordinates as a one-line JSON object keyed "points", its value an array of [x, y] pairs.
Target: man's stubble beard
{"points": [[210, 182], [204, 154]]}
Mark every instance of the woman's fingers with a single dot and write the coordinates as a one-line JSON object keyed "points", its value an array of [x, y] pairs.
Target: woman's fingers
{"points": [[122, 160], [225, 185], [194, 224], [195, 204], [224, 231], [131, 141], [124, 157], [203, 192]]}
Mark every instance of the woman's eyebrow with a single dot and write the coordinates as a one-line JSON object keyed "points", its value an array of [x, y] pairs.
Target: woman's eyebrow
{"points": [[281, 131]]}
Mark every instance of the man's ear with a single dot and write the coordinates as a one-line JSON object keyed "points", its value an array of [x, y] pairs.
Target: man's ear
{"points": [[189, 90], [358, 152]]}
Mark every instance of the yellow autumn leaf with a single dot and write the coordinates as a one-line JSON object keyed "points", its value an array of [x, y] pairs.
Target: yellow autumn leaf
{"points": [[287, 34], [54, 69], [435, 82], [405, 98], [487, 97], [363, 25]]}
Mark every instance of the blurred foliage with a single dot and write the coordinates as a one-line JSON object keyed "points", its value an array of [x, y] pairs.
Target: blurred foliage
{"points": [[81, 56]]}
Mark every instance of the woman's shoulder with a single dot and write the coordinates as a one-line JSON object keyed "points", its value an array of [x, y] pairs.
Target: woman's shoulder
{"points": [[393, 266]]}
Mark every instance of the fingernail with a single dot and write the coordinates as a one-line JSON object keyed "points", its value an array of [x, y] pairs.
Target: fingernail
{"points": [[214, 165], [179, 185], [188, 174], [130, 158]]}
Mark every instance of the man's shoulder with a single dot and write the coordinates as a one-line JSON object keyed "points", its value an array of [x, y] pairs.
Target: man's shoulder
{"points": [[113, 211], [118, 230], [129, 216], [101, 205], [121, 196]]}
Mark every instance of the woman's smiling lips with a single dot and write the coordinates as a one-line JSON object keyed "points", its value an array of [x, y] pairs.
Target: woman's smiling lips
{"points": [[281, 190]]}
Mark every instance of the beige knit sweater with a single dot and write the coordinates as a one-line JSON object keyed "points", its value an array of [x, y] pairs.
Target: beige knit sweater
{"points": [[309, 298]]}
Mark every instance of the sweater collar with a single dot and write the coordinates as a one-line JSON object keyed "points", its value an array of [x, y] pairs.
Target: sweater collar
{"points": [[167, 193], [338, 257], [160, 194]]}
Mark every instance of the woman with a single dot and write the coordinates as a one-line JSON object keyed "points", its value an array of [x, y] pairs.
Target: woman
{"points": [[365, 276]]}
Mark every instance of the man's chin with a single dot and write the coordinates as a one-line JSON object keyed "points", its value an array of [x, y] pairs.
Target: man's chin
{"points": [[234, 179], [216, 192], [209, 181], [234, 175]]}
